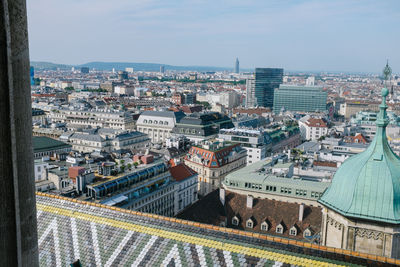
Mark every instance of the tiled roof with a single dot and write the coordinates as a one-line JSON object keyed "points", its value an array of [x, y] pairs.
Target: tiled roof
{"points": [[264, 210], [313, 122], [325, 163], [213, 158], [359, 138], [100, 235], [181, 172]]}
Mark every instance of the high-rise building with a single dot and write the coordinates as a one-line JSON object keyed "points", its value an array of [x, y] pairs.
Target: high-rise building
{"points": [[260, 91], [237, 66], [299, 98], [162, 69], [310, 81], [250, 96], [123, 75], [84, 70]]}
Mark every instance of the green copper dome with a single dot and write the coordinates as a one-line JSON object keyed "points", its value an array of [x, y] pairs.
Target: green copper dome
{"points": [[367, 185]]}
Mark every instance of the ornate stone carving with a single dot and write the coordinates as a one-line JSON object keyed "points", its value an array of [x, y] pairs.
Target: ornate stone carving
{"points": [[334, 223], [369, 234]]}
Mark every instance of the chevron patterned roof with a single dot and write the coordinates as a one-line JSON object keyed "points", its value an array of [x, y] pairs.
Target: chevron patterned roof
{"points": [[107, 236]]}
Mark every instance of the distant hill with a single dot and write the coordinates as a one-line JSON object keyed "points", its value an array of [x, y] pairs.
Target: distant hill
{"points": [[123, 65], [48, 65]]}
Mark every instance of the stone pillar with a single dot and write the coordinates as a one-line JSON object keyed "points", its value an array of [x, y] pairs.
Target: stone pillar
{"points": [[18, 233]]}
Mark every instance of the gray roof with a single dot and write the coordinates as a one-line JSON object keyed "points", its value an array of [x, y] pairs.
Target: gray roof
{"points": [[87, 137], [254, 174], [309, 146], [165, 114]]}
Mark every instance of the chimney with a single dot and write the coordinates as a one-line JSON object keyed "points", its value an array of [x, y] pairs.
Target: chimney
{"points": [[222, 196], [301, 212], [249, 201]]}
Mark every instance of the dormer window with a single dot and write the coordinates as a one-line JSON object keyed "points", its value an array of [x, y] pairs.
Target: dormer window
{"points": [[249, 223], [293, 231], [144, 121], [235, 221], [264, 226], [307, 233], [150, 121], [279, 229], [161, 123]]}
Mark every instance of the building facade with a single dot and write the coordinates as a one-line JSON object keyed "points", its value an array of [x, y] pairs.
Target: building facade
{"points": [[260, 92], [92, 118], [273, 179], [312, 128], [256, 142], [213, 161], [202, 126], [186, 187], [158, 125], [299, 98]]}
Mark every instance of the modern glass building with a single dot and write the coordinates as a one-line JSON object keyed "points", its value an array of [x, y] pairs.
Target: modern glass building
{"points": [[261, 91], [299, 98]]}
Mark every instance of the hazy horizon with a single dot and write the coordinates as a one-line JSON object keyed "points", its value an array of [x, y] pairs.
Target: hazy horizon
{"points": [[334, 36]]}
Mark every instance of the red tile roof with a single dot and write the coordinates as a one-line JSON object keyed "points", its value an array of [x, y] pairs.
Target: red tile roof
{"points": [[313, 122], [181, 172], [211, 159], [325, 164], [359, 138]]}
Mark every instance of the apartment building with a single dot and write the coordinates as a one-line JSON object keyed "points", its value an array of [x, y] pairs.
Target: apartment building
{"points": [[213, 160]]}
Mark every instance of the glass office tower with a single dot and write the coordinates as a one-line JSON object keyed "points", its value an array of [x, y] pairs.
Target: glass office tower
{"points": [[299, 98], [265, 82]]}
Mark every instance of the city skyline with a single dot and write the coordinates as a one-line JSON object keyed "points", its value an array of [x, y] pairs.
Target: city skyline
{"points": [[306, 35]]}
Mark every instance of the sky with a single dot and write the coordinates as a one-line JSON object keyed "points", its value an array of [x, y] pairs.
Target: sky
{"points": [[345, 35]]}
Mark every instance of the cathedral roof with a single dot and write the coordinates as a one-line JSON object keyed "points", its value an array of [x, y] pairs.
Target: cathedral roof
{"points": [[100, 235], [367, 185]]}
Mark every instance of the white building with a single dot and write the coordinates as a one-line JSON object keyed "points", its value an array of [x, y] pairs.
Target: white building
{"points": [[310, 81], [312, 128], [94, 118], [256, 142], [186, 193], [158, 125], [40, 168], [107, 140], [124, 90]]}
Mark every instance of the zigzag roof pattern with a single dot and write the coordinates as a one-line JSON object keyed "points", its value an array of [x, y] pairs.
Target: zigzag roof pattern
{"points": [[100, 235]]}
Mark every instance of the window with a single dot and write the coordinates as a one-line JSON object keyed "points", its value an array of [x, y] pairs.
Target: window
{"points": [[249, 223], [264, 226], [235, 221], [293, 231], [279, 229], [307, 233]]}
